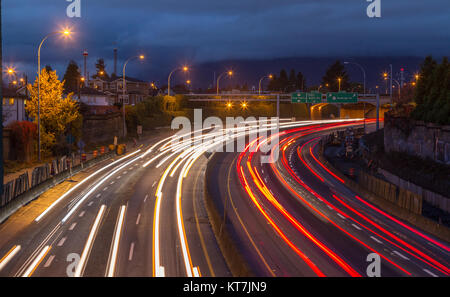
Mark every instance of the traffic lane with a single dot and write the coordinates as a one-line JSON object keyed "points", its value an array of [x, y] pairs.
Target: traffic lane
{"points": [[371, 239], [295, 189], [356, 231], [256, 240], [135, 257], [114, 191], [404, 234], [349, 250], [45, 230], [205, 251]]}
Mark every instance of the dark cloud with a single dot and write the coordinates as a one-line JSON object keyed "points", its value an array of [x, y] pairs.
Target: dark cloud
{"points": [[171, 32]]}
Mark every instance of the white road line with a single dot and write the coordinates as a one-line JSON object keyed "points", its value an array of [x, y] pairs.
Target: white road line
{"points": [[356, 226], [138, 219], [82, 214], [430, 273], [98, 195], [112, 183], [130, 255], [8, 257], [89, 242], [329, 207], [106, 188], [154, 183], [341, 216], [125, 172], [90, 203], [116, 241], [145, 199], [376, 239], [36, 261], [61, 242], [118, 177], [72, 226], [400, 255], [49, 261]]}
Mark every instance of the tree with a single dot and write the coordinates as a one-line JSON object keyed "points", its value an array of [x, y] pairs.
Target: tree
{"points": [[301, 81], [23, 135], [101, 69], [336, 71], [56, 112], [72, 78], [425, 79]]}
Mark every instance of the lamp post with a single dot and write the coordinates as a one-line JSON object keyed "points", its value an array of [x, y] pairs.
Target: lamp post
{"points": [[184, 68], [270, 76], [339, 81], [230, 73], [363, 71], [141, 57], [66, 32]]}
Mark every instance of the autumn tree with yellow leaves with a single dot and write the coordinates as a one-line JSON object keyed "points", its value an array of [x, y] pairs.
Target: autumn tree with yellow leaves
{"points": [[59, 115]]}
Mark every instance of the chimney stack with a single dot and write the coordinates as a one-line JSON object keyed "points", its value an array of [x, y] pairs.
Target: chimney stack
{"points": [[115, 61], [85, 55]]}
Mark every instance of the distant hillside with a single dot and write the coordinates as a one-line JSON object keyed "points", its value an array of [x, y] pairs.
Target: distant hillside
{"points": [[250, 71]]}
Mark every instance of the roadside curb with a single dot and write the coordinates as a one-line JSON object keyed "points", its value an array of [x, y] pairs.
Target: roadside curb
{"points": [[34, 193]]}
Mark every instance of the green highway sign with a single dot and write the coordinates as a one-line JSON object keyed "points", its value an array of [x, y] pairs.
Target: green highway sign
{"points": [[299, 97], [342, 97], [314, 97]]}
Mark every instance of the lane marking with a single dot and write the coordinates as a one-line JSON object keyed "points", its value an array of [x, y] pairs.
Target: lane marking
{"points": [[61, 242], [376, 239], [341, 216], [112, 183], [145, 199], [90, 203], [130, 255], [82, 214], [89, 242], [72, 226], [37, 261], [49, 261], [138, 219], [116, 241], [430, 273], [106, 188], [98, 195], [400, 255], [356, 226]]}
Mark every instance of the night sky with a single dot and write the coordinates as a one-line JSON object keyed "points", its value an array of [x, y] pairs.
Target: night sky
{"points": [[175, 32]]}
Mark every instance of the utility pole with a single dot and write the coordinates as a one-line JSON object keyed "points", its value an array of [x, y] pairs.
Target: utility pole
{"points": [[390, 86]]}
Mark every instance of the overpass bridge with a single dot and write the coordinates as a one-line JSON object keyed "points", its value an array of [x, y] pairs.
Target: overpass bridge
{"points": [[285, 98], [322, 100]]}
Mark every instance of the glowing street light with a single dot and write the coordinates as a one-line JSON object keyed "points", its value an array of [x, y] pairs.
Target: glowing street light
{"points": [[244, 105], [229, 105], [229, 73], [140, 57], [270, 76], [339, 81], [184, 69], [64, 33]]}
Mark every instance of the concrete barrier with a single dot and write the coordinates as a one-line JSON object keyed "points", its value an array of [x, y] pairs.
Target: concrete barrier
{"points": [[10, 204], [235, 261]]}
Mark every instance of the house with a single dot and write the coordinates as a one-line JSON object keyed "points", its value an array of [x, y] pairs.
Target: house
{"points": [[14, 102], [95, 101], [135, 90]]}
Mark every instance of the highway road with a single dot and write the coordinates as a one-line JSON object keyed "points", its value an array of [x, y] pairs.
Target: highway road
{"points": [[295, 217], [143, 214]]}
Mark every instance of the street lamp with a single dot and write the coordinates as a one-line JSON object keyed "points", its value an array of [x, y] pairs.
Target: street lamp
{"points": [[270, 76], [140, 57], [339, 81], [64, 33], [229, 105], [363, 71], [229, 73], [184, 69], [244, 105]]}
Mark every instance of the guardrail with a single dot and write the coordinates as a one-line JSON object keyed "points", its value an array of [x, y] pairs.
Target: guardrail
{"points": [[19, 192]]}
